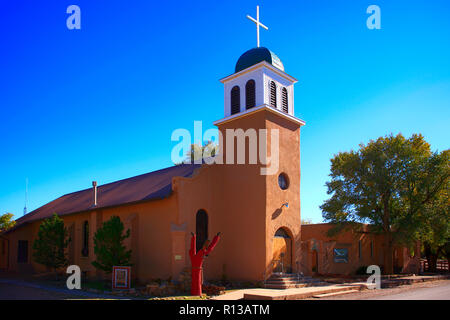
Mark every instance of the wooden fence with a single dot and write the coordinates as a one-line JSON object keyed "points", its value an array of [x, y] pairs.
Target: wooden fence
{"points": [[441, 265]]}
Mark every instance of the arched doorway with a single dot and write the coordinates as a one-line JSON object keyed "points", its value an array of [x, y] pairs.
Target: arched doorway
{"points": [[282, 251], [201, 228]]}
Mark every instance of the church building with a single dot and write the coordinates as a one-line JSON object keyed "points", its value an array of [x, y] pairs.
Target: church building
{"points": [[257, 214]]}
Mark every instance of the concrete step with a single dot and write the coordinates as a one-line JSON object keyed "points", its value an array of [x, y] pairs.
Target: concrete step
{"points": [[283, 277], [324, 295], [281, 283], [281, 280], [286, 280], [284, 286]]}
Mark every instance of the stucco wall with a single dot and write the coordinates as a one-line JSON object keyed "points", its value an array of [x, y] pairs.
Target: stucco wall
{"points": [[314, 237]]}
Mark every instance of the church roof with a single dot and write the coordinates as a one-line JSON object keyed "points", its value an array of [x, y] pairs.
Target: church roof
{"points": [[256, 55], [150, 186]]}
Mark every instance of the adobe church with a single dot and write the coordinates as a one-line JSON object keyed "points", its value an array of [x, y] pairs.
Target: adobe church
{"points": [[258, 215]]}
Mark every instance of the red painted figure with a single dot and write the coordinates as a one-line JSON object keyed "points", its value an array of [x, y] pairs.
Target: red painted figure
{"points": [[197, 262]]}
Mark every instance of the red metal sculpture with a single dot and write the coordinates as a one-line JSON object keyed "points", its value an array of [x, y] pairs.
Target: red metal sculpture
{"points": [[197, 259]]}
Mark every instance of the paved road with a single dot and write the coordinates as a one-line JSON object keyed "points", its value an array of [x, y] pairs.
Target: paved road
{"points": [[435, 290], [441, 292], [15, 292], [13, 289]]}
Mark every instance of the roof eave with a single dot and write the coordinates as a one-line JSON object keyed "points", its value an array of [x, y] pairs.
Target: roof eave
{"points": [[257, 66]]}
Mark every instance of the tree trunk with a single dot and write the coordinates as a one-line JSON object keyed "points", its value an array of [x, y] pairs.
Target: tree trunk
{"points": [[431, 258], [432, 262], [388, 249], [388, 254]]}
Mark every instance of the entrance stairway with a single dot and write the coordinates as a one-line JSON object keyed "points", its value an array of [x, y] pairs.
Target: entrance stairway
{"points": [[291, 280]]}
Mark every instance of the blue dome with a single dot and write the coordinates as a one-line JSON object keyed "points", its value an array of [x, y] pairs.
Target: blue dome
{"points": [[256, 55]]}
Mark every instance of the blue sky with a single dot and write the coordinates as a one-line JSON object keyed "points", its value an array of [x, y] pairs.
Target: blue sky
{"points": [[101, 103]]}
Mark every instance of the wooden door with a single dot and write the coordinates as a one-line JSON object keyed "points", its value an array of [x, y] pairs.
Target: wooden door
{"points": [[282, 253]]}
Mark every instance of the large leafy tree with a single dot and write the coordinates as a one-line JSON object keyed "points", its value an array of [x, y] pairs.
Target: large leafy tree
{"points": [[49, 248], [6, 221], [435, 227], [385, 183], [108, 245]]}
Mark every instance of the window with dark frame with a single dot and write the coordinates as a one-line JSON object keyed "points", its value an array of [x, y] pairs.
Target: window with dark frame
{"points": [[250, 95], [85, 249], [22, 251], [359, 249], [371, 249], [235, 100], [201, 228]]}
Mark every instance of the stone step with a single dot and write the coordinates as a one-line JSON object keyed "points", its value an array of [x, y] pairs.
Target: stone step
{"points": [[324, 295]]}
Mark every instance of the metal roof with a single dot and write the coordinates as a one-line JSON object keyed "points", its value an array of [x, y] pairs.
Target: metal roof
{"points": [[150, 186]]}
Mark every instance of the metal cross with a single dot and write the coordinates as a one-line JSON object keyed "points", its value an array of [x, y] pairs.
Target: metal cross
{"points": [[258, 24]]}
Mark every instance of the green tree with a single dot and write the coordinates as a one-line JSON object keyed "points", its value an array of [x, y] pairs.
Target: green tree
{"points": [[435, 227], [108, 245], [6, 221], [386, 183], [49, 249], [197, 152]]}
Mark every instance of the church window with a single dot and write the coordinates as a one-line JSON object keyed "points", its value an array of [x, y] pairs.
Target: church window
{"points": [[283, 181], [201, 228], [273, 94], [22, 251], [250, 94], [359, 249], [284, 100], [235, 100], [371, 248], [85, 250]]}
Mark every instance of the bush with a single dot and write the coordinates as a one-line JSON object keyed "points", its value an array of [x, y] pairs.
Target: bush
{"points": [[108, 245]]}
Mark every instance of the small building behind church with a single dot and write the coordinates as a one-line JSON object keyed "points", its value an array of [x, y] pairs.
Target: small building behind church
{"points": [[350, 252]]}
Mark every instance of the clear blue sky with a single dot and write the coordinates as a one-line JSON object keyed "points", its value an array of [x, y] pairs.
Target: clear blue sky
{"points": [[101, 103]]}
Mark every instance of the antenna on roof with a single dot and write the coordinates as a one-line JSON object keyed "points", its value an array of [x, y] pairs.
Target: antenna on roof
{"points": [[26, 197]]}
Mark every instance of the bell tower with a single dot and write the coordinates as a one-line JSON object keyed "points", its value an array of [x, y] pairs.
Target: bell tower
{"points": [[259, 80], [264, 207]]}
